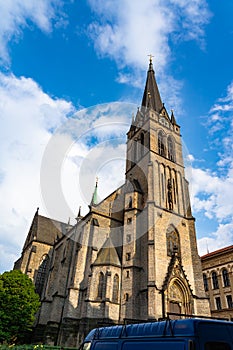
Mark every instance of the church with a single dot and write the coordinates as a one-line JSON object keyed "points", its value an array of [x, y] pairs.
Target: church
{"points": [[133, 257]]}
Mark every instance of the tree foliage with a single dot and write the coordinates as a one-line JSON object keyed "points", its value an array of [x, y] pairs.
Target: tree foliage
{"points": [[18, 306]]}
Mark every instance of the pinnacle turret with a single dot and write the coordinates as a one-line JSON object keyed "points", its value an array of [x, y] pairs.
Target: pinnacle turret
{"points": [[173, 119], [79, 216]]}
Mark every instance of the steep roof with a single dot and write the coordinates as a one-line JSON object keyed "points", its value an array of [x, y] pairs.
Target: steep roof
{"points": [[49, 230], [107, 255], [151, 97], [45, 230]]}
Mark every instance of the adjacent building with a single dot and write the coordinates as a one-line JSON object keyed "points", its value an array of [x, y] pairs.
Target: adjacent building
{"points": [[217, 269]]}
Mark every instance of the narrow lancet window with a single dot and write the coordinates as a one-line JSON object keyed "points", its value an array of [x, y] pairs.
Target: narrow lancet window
{"points": [[170, 149], [100, 294], [115, 290], [161, 145]]}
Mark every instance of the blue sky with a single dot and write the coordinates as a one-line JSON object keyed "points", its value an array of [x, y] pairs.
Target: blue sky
{"points": [[60, 58]]}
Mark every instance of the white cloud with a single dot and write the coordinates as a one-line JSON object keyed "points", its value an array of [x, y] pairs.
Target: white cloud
{"points": [[28, 119], [78, 152], [16, 15], [26, 115], [221, 238], [212, 190], [212, 194], [127, 31]]}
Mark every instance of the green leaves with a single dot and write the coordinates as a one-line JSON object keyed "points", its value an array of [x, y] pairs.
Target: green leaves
{"points": [[18, 306]]}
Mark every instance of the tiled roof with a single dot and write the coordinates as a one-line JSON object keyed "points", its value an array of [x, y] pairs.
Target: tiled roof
{"points": [[217, 252], [45, 230]]}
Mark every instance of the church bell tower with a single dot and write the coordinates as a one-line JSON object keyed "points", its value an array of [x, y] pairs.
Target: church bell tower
{"points": [[161, 270]]}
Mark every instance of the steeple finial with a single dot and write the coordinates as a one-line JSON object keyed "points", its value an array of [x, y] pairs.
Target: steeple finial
{"points": [[150, 62], [132, 119]]}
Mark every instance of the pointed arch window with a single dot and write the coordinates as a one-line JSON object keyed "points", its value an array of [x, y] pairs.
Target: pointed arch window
{"points": [[215, 280], [205, 282], [225, 277], [115, 290], [173, 242], [41, 275], [170, 149], [161, 145], [100, 293]]}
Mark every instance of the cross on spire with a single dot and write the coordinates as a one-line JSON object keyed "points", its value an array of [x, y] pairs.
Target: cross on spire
{"points": [[151, 56]]}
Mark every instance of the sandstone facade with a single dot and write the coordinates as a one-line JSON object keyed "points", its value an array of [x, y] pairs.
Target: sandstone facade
{"points": [[134, 255]]}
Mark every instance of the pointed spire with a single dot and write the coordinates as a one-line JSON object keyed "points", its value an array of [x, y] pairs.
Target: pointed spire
{"points": [[173, 119], [132, 119], [68, 225], [94, 200], [151, 97], [79, 216]]}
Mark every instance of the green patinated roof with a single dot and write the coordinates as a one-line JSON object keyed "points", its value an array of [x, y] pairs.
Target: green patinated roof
{"points": [[107, 255], [94, 200]]}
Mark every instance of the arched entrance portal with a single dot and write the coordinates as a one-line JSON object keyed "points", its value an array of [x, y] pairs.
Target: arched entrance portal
{"points": [[179, 299]]}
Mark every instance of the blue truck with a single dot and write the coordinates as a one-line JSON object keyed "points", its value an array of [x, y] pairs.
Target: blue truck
{"points": [[182, 334]]}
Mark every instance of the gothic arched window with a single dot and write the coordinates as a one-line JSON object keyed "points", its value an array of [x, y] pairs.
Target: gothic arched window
{"points": [[161, 145], [225, 276], [115, 290], [205, 282], [170, 149], [173, 241], [215, 280], [100, 294], [41, 275]]}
